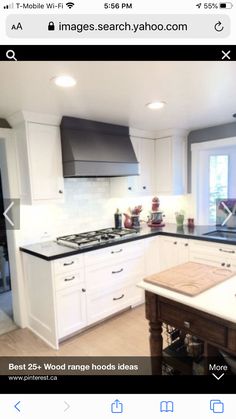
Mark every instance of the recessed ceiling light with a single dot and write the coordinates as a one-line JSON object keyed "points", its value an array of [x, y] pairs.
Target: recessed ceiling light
{"points": [[155, 105], [64, 81]]}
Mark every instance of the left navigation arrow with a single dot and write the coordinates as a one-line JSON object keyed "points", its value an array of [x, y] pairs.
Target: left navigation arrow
{"points": [[6, 216], [17, 407]]}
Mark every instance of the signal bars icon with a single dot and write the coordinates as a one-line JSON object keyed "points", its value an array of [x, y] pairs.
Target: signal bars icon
{"points": [[9, 6], [70, 4]]}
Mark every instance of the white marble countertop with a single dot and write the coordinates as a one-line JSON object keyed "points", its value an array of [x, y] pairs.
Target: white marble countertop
{"points": [[219, 301]]}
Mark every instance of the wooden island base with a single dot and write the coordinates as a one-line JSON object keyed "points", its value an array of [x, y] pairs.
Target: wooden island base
{"points": [[216, 332]]}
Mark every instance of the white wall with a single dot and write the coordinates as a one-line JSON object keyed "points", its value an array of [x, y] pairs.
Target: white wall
{"points": [[87, 206]]}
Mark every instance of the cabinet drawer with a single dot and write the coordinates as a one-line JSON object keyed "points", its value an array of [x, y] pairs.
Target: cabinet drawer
{"points": [[101, 305], [70, 263], [69, 279], [115, 254], [220, 250], [115, 275], [193, 323]]}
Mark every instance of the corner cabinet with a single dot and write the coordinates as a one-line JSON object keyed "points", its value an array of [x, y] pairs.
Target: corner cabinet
{"points": [[38, 148], [173, 251], [144, 184], [171, 162]]}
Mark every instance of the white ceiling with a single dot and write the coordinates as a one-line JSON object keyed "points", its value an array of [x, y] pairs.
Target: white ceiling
{"points": [[198, 94]]}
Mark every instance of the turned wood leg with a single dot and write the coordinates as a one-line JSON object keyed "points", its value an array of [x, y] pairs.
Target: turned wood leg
{"points": [[155, 330], [156, 346]]}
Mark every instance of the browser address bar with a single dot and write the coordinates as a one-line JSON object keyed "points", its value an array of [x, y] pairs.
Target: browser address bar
{"points": [[118, 26]]}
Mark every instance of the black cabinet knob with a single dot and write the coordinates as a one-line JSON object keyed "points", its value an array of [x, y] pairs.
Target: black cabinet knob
{"points": [[144, 187], [129, 188], [60, 191]]}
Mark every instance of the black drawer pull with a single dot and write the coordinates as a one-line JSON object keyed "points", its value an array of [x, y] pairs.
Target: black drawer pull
{"points": [[68, 264], [223, 264], [228, 265], [116, 251], [69, 279], [119, 298], [117, 272], [227, 251]]}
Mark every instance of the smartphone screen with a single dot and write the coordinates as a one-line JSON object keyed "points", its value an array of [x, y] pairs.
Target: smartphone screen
{"points": [[118, 208]]}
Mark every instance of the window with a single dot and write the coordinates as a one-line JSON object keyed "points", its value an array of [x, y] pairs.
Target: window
{"points": [[213, 177], [218, 181]]}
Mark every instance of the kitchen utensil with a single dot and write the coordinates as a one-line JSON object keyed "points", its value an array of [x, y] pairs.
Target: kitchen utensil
{"points": [[127, 221], [118, 219]]}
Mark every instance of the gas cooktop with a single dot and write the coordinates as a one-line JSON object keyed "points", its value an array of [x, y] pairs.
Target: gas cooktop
{"points": [[91, 238]]}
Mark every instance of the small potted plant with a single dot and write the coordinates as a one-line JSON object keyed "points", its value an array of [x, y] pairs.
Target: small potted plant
{"points": [[179, 216]]}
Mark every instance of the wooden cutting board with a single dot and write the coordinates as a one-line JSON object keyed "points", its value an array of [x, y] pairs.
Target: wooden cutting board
{"points": [[190, 278]]}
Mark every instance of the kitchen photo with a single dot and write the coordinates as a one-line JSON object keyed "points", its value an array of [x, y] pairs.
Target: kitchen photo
{"points": [[118, 212]]}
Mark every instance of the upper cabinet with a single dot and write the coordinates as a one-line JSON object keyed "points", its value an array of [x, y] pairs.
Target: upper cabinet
{"points": [[171, 162], [39, 157], [144, 184]]}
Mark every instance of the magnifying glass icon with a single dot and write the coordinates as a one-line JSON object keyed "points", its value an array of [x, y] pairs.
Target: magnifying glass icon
{"points": [[10, 54]]}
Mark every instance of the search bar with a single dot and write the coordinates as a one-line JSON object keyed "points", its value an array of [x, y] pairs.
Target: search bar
{"points": [[118, 26]]}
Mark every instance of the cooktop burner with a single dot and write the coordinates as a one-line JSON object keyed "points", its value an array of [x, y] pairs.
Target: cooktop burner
{"points": [[91, 238]]}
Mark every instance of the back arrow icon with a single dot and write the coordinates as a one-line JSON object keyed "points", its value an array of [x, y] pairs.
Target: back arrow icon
{"points": [[16, 406], [6, 216]]}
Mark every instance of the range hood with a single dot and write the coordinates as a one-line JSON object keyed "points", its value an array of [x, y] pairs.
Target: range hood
{"points": [[96, 149]]}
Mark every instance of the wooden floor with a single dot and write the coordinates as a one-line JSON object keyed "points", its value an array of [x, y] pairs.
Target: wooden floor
{"points": [[123, 335]]}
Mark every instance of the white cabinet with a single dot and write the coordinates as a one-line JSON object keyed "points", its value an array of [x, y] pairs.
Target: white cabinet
{"points": [[111, 277], [71, 310], [173, 251], [71, 293], [171, 162], [217, 254], [152, 255], [39, 159], [144, 184]]}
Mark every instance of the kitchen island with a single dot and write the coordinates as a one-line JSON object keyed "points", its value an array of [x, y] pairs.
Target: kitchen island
{"points": [[210, 316]]}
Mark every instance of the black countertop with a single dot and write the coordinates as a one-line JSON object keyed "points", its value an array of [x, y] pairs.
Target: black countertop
{"points": [[51, 250]]}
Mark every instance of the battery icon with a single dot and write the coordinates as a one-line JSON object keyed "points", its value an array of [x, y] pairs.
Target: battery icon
{"points": [[227, 5]]}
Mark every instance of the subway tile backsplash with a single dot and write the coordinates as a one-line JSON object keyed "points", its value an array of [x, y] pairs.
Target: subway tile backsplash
{"points": [[87, 206]]}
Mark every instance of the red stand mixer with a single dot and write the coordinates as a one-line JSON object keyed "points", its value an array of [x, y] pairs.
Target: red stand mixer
{"points": [[156, 217]]}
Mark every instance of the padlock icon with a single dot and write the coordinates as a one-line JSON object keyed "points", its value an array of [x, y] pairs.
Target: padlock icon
{"points": [[51, 26]]}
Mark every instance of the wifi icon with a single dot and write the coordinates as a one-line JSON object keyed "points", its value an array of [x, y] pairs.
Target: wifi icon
{"points": [[70, 5]]}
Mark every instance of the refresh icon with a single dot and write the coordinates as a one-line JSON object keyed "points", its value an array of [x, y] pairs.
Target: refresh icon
{"points": [[219, 27]]}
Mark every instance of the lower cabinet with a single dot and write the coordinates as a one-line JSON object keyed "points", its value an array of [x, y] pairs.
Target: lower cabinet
{"points": [[173, 251], [216, 254], [71, 293], [103, 304], [71, 310]]}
